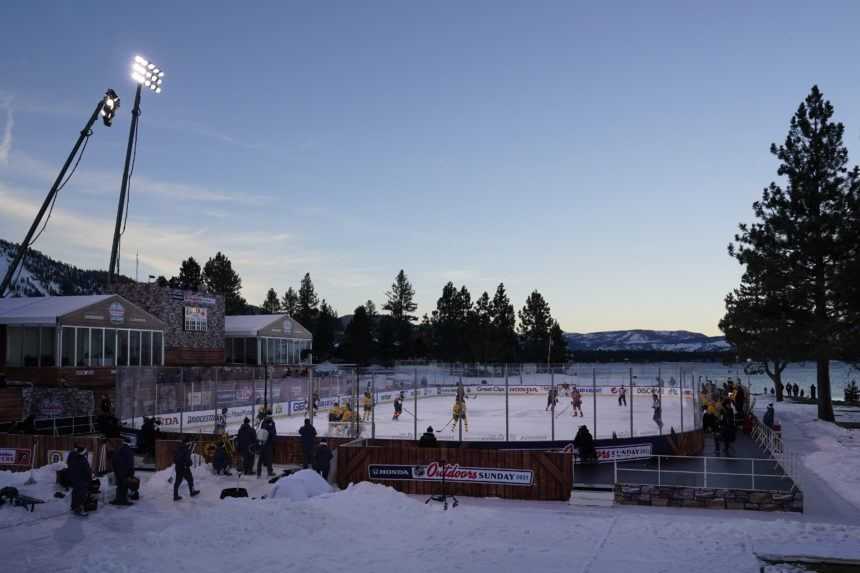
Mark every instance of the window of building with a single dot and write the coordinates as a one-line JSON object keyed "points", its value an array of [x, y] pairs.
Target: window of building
{"points": [[146, 349], [157, 349], [97, 343], [196, 319], [134, 348], [264, 351], [122, 348], [29, 346], [251, 351], [110, 347], [47, 346], [67, 355], [82, 353]]}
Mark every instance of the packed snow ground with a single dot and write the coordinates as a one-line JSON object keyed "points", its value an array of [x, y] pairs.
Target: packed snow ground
{"points": [[528, 418], [831, 453], [370, 528]]}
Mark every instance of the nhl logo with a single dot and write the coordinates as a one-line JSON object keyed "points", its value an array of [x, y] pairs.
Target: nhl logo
{"points": [[419, 471]]}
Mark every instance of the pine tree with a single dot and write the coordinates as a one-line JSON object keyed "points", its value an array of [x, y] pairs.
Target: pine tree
{"points": [[503, 321], [801, 230], [290, 303], [358, 337], [324, 332], [371, 309], [400, 303], [535, 324], [190, 275], [219, 277], [272, 304], [479, 329], [558, 344], [308, 301], [759, 322]]}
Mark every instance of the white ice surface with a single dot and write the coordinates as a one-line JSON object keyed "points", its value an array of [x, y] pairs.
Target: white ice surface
{"points": [[528, 418]]}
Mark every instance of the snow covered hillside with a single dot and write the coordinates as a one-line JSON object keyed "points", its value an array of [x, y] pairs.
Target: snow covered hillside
{"points": [[665, 340], [42, 275]]}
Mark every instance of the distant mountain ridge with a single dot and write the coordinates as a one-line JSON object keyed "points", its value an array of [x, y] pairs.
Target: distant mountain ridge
{"points": [[42, 275], [647, 340]]}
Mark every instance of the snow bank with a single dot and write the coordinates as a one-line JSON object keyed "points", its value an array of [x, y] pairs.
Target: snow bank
{"points": [[302, 485]]}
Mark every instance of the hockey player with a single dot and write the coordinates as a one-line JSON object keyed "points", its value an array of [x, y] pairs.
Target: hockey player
{"points": [[398, 407], [576, 402], [347, 413], [458, 414], [622, 396], [220, 422], [366, 406], [551, 398], [461, 393], [335, 413]]}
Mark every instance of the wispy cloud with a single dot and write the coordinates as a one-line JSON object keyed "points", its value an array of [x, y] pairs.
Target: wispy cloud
{"points": [[98, 182], [6, 139]]}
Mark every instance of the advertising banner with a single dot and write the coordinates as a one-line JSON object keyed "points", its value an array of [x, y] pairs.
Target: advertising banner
{"points": [[630, 452], [452, 473], [15, 457]]}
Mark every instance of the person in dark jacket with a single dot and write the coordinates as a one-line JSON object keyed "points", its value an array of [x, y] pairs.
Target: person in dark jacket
{"points": [[267, 447], [322, 459], [182, 465], [740, 399], [79, 474], [727, 426], [147, 437], [812, 392], [584, 443], [123, 468], [767, 420], [309, 436], [220, 460], [428, 439], [245, 440]]}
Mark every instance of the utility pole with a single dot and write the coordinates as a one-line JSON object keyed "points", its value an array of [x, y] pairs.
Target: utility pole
{"points": [[107, 107]]}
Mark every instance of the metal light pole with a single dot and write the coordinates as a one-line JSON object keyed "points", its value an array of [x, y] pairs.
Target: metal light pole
{"points": [[106, 107], [146, 74]]}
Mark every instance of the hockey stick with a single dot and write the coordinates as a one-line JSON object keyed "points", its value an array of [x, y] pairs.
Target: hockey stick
{"points": [[446, 425], [408, 412], [562, 411]]}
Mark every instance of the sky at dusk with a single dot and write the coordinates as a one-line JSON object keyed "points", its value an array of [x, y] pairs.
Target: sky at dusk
{"points": [[602, 153]]}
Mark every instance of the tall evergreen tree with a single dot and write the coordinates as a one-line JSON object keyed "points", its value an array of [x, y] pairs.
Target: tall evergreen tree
{"points": [[801, 229], [358, 337], [324, 332], [190, 275], [558, 344], [479, 330], [535, 324], [290, 303], [760, 323], [400, 303], [219, 277], [503, 320], [272, 304], [308, 301]]}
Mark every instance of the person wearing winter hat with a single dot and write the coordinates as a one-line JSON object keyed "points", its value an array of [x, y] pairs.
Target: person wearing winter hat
{"points": [[428, 439], [79, 474], [182, 465]]}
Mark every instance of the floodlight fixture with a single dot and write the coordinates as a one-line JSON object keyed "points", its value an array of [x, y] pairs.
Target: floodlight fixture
{"points": [[109, 107], [147, 74]]}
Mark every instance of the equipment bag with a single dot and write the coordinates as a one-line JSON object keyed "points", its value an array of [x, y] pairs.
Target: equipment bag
{"points": [[234, 492]]}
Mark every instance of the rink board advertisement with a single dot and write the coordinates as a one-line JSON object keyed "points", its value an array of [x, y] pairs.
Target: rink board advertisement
{"points": [[452, 472], [631, 452], [14, 457]]}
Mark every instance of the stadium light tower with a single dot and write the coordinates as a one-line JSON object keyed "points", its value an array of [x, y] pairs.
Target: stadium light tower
{"points": [[106, 108], [145, 74]]}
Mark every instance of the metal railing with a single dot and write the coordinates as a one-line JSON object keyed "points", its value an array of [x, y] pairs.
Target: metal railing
{"points": [[771, 442], [704, 473]]}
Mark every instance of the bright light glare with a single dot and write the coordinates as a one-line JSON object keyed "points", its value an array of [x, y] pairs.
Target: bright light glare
{"points": [[158, 90], [140, 61], [145, 72], [138, 78]]}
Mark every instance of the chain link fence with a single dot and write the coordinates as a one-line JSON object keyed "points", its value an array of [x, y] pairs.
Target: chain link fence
{"points": [[490, 402]]}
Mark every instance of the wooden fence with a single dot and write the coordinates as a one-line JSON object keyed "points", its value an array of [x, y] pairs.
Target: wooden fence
{"points": [[552, 471], [288, 449]]}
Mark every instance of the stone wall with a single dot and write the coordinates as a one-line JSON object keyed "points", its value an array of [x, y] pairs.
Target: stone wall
{"points": [[709, 498], [168, 304]]}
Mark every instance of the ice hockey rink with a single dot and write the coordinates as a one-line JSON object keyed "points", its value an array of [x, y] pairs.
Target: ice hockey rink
{"points": [[528, 418]]}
